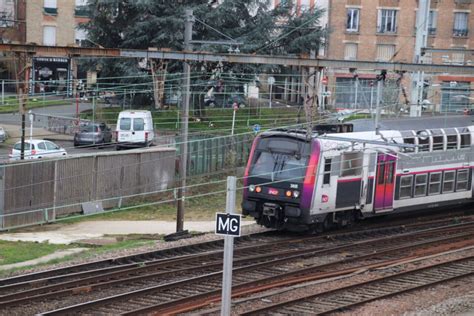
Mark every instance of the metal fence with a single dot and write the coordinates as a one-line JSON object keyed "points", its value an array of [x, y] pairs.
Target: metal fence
{"points": [[42, 191], [210, 153]]}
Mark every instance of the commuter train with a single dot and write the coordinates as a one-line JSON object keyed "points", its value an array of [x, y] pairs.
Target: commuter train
{"points": [[299, 182]]}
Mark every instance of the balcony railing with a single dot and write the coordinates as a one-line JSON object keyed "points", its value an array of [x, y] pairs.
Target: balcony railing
{"points": [[460, 32]]}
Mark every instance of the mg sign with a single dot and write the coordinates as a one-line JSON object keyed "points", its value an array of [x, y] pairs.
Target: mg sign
{"points": [[227, 224]]}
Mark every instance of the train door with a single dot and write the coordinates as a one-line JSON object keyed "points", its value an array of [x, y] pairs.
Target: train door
{"points": [[385, 182]]}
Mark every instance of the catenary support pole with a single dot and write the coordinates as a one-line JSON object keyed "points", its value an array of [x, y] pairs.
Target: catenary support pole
{"points": [[377, 104], [188, 31], [228, 251], [421, 38]]}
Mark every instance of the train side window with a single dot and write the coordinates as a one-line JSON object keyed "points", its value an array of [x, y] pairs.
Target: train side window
{"points": [[381, 173], [435, 183], [408, 138], [420, 184], [462, 180], [410, 141], [438, 139], [465, 139], [327, 171], [351, 164], [424, 144], [406, 183], [452, 142], [448, 181]]}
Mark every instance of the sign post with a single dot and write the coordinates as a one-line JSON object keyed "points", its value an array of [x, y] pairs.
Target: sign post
{"points": [[271, 81], [228, 224]]}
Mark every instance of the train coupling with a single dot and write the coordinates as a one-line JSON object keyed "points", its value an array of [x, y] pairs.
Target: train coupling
{"points": [[271, 209]]}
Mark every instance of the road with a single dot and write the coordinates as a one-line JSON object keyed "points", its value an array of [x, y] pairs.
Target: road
{"points": [[59, 110], [69, 110]]}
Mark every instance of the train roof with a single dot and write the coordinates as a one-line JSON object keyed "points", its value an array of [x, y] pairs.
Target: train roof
{"points": [[418, 123]]}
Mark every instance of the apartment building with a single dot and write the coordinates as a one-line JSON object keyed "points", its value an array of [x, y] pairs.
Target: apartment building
{"points": [[12, 21], [54, 23], [12, 30], [384, 30]]}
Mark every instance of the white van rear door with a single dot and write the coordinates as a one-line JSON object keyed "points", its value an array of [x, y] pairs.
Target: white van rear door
{"points": [[124, 129], [138, 130]]}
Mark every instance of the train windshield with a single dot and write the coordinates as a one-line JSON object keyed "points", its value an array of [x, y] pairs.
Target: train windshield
{"points": [[281, 158]]}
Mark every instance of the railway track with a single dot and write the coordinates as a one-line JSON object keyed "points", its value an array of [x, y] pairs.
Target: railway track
{"points": [[213, 249], [363, 292], [255, 272], [115, 264]]}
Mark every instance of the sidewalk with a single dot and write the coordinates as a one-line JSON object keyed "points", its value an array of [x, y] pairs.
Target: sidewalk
{"points": [[66, 234], [14, 134]]}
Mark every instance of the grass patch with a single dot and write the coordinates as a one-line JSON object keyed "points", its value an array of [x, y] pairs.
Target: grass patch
{"points": [[19, 251], [205, 196], [211, 119], [11, 104], [13, 252]]}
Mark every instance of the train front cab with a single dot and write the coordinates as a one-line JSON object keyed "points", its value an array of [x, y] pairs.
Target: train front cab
{"points": [[280, 195]]}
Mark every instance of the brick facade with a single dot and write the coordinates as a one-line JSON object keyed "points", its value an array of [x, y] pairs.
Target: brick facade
{"points": [[64, 20]]}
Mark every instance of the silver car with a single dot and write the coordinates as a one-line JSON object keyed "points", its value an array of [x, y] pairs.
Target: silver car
{"points": [[3, 135], [93, 134]]}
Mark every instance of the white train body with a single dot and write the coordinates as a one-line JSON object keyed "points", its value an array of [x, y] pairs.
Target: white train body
{"points": [[367, 175]]}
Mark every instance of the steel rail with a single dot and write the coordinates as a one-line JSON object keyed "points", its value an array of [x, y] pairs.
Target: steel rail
{"points": [[383, 287], [87, 284], [212, 280]]}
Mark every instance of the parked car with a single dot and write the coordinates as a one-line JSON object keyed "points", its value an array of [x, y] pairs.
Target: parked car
{"points": [[3, 135], [225, 101], [38, 149], [134, 129], [93, 134]]}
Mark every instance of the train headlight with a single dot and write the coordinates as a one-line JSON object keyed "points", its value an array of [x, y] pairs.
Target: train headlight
{"points": [[288, 193], [296, 194], [258, 189], [251, 188]]}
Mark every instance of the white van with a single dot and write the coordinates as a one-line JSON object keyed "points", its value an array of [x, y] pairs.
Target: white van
{"points": [[134, 129]]}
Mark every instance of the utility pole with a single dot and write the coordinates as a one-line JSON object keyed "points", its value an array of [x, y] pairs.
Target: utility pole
{"points": [[22, 78], [380, 82], [310, 99], [422, 19], [188, 32]]}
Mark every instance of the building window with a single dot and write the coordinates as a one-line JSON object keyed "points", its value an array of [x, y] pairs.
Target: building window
{"points": [[385, 52], [81, 8], [461, 24], [49, 35], [305, 6], [352, 24], [406, 183], [435, 183], [432, 21], [457, 58], [327, 171], [50, 7], [420, 184], [448, 182], [462, 180], [350, 51], [387, 21], [80, 37], [455, 96]]}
